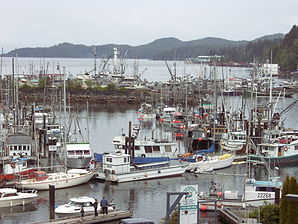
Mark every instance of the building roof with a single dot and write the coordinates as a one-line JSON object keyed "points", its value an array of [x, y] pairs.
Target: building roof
{"points": [[19, 139]]}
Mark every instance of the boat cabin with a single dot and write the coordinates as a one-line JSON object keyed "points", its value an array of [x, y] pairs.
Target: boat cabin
{"points": [[197, 140], [254, 189], [116, 163], [148, 148], [167, 114], [81, 201], [76, 150], [40, 175], [179, 120], [15, 165], [19, 144], [7, 192], [281, 148]]}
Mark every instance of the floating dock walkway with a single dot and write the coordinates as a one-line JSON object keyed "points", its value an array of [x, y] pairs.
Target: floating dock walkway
{"points": [[113, 218]]}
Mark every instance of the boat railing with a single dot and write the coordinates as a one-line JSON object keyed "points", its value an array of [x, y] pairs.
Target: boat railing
{"points": [[29, 191]]}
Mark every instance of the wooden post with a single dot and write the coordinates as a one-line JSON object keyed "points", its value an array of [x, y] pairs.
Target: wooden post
{"points": [[52, 201], [277, 195], [129, 137]]}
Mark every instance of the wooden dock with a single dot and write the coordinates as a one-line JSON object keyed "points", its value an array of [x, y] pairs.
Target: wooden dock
{"points": [[112, 217]]}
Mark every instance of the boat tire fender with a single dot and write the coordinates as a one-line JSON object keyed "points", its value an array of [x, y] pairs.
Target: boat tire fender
{"points": [[143, 155]]}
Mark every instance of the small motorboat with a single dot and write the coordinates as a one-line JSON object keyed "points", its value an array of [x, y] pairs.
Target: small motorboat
{"points": [[73, 206], [11, 197]]}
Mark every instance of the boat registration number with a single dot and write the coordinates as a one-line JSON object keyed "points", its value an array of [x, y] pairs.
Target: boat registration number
{"points": [[264, 195]]}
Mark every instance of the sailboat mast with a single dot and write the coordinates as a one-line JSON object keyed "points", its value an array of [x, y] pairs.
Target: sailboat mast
{"points": [[88, 131], [65, 120]]}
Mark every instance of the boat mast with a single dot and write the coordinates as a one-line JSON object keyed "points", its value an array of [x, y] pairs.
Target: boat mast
{"points": [[1, 63], [215, 98], [94, 54], [88, 131], [65, 120]]}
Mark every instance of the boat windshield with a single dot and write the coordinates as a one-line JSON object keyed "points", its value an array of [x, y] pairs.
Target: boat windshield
{"points": [[78, 204]]}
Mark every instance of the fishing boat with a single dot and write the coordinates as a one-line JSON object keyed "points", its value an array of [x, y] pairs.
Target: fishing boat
{"points": [[117, 168], [146, 112], [284, 150], [78, 151], [209, 163], [11, 197], [234, 141], [167, 115], [16, 168], [74, 205], [78, 154], [41, 180], [256, 193], [148, 151]]}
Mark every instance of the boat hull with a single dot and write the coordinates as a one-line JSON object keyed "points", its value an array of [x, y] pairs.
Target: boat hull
{"points": [[67, 182], [281, 160], [145, 175], [239, 204], [78, 163], [14, 201], [211, 165]]}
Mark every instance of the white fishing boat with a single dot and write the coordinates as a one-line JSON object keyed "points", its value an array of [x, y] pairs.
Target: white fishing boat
{"points": [[74, 205], [11, 197], [209, 163], [117, 168], [42, 180], [78, 155], [256, 193], [78, 151]]}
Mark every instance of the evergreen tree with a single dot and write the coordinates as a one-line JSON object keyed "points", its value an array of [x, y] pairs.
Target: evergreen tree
{"points": [[284, 203], [293, 205]]}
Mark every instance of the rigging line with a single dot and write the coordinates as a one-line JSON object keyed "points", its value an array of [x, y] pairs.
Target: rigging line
{"points": [[79, 129]]}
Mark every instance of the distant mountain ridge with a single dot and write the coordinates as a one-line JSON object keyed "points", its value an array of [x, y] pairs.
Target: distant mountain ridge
{"points": [[164, 48]]}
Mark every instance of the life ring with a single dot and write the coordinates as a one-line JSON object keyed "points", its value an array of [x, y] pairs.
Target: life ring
{"points": [[286, 148], [143, 155]]}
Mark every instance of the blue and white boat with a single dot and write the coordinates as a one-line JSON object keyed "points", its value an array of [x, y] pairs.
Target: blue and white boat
{"points": [[116, 167], [146, 151]]}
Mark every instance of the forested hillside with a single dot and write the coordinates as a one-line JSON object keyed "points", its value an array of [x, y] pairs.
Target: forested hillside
{"points": [[284, 50], [286, 54]]}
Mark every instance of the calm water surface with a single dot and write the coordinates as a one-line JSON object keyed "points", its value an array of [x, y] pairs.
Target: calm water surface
{"points": [[146, 198]]}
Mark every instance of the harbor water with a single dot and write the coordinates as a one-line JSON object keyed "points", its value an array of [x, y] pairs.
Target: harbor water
{"points": [[146, 199]]}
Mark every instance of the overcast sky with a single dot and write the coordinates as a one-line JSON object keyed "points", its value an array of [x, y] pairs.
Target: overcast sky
{"points": [[31, 23]]}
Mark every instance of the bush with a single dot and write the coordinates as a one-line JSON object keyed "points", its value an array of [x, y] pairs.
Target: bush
{"points": [[269, 214]]}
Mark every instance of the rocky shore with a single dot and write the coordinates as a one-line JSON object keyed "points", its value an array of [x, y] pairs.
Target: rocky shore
{"points": [[101, 97]]}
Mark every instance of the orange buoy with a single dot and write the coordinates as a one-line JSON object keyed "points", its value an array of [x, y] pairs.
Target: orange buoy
{"points": [[219, 194], [203, 207]]}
